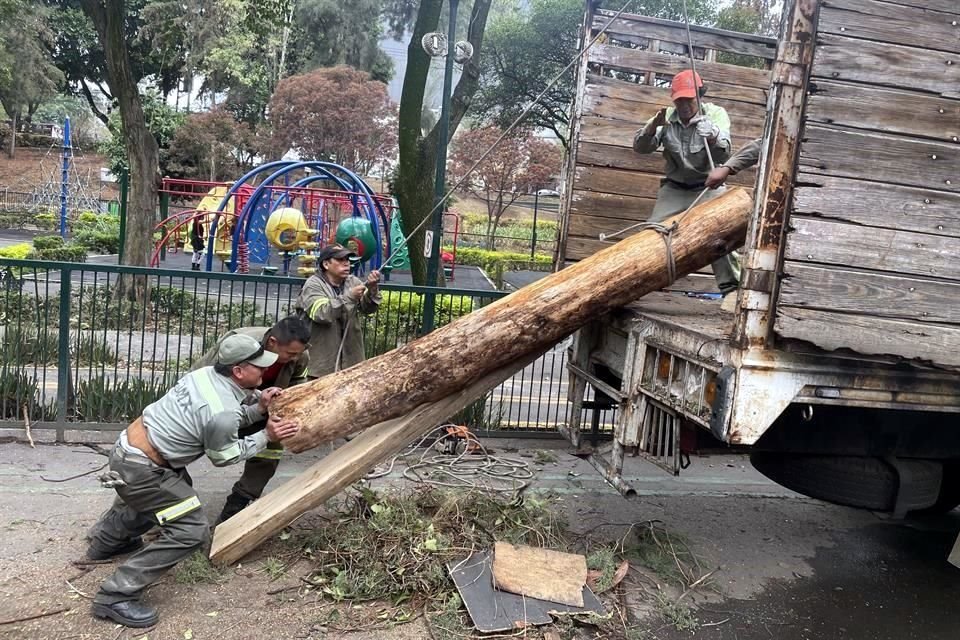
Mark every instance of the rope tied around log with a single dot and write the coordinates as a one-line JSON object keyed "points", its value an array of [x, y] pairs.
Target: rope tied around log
{"points": [[666, 232]]}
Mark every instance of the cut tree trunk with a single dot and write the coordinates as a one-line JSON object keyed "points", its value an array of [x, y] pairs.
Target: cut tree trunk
{"points": [[269, 515], [527, 321]]}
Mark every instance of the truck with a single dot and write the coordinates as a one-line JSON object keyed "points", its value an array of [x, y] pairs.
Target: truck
{"points": [[838, 371]]}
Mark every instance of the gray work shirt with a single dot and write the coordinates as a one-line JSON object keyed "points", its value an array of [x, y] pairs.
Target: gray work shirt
{"points": [[200, 415], [684, 149]]}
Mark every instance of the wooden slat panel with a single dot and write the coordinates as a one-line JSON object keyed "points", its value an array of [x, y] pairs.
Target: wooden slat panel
{"points": [[604, 155], [629, 183], [869, 293], [672, 32], [812, 240], [888, 205], [881, 158], [885, 64], [746, 119], [634, 60], [888, 22], [948, 6], [584, 225], [620, 133], [605, 205], [934, 343], [603, 86], [885, 110]]}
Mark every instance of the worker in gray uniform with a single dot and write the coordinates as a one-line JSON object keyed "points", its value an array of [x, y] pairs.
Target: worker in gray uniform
{"points": [[747, 157], [288, 339], [200, 415], [332, 299], [686, 137]]}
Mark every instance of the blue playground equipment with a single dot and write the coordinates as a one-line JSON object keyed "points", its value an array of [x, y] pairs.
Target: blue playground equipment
{"points": [[338, 186]]}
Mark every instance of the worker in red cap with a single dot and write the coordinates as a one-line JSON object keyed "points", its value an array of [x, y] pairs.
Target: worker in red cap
{"points": [[685, 134]]}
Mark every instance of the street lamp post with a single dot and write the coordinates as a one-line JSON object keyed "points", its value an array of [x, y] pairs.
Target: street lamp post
{"points": [[533, 245], [433, 257]]}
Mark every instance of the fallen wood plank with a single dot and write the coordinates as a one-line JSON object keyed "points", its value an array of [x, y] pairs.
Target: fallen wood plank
{"points": [[539, 573], [527, 321], [268, 516]]}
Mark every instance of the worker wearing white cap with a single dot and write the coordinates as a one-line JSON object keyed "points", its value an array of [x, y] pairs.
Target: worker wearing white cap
{"points": [[200, 415]]}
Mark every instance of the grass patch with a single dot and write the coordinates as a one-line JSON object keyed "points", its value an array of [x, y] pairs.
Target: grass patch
{"points": [[274, 568], [678, 615], [196, 569], [605, 561]]}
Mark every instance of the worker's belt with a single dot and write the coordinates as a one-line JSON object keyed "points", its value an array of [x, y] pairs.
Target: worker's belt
{"points": [[696, 186], [137, 437]]}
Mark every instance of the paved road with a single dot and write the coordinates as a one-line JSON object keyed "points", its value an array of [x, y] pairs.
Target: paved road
{"points": [[788, 567]]}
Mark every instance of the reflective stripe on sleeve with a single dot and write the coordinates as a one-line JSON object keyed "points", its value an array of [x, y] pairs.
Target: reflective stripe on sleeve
{"points": [[317, 304], [178, 510], [227, 453], [270, 454]]}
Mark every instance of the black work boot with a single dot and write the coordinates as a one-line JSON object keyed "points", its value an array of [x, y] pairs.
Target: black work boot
{"points": [[130, 613], [235, 504], [96, 554]]}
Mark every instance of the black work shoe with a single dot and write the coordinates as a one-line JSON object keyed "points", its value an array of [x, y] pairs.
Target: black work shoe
{"points": [[129, 613], [97, 554], [235, 504]]}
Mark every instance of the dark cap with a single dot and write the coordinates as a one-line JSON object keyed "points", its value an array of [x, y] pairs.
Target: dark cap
{"points": [[335, 251]]}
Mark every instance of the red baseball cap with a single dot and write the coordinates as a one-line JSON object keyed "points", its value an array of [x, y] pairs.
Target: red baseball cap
{"points": [[685, 85]]}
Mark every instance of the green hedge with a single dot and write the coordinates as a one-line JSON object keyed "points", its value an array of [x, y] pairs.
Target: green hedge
{"points": [[494, 261], [16, 251], [400, 319]]}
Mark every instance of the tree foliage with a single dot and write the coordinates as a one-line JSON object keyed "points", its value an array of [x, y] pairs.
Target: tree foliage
{"points": [[162, 121], [520, 164], [337, 114], [211, 145], [524, 52], [27, 73]]}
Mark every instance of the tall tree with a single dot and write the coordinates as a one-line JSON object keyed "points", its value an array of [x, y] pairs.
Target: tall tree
{"points": [[524, 51], [519, 165], [338, 114], [109, 19], [415, 177], [28, 75], [211, 145]]}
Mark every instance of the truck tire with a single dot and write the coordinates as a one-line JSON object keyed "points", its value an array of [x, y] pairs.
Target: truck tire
{"points": [[949, 497], [868, 483]]}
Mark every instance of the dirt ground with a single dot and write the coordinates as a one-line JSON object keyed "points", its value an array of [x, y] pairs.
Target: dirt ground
{"points": [[786, 567]]}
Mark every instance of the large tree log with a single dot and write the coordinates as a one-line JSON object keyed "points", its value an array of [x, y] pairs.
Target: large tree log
{"points": [[243, 532], [525, 322]]}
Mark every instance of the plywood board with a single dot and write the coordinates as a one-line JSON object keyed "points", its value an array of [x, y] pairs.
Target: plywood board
{"points": [[539, 573]]}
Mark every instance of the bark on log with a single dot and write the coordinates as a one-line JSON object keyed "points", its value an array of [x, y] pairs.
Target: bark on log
{"points": [[527, 321]]}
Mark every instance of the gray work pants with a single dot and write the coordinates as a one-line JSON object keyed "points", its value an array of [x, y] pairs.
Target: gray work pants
{"points": [[152, 496], [672, 200]]}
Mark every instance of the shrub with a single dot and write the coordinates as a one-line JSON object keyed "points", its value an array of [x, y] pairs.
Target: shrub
{"points": [[46, 221], [29, 344], [21, 308], [94, 350], [15, 251], [18, 388], [99, 241], [492, 261], [69, 252], [400, 319], [105, 399], [47, 243]]}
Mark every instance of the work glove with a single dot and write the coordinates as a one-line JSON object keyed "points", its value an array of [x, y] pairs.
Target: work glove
{"points": [[707, 129]]}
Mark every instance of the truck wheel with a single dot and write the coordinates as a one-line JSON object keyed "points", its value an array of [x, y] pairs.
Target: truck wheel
{"points": [[949, 497], [868, 483]]}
